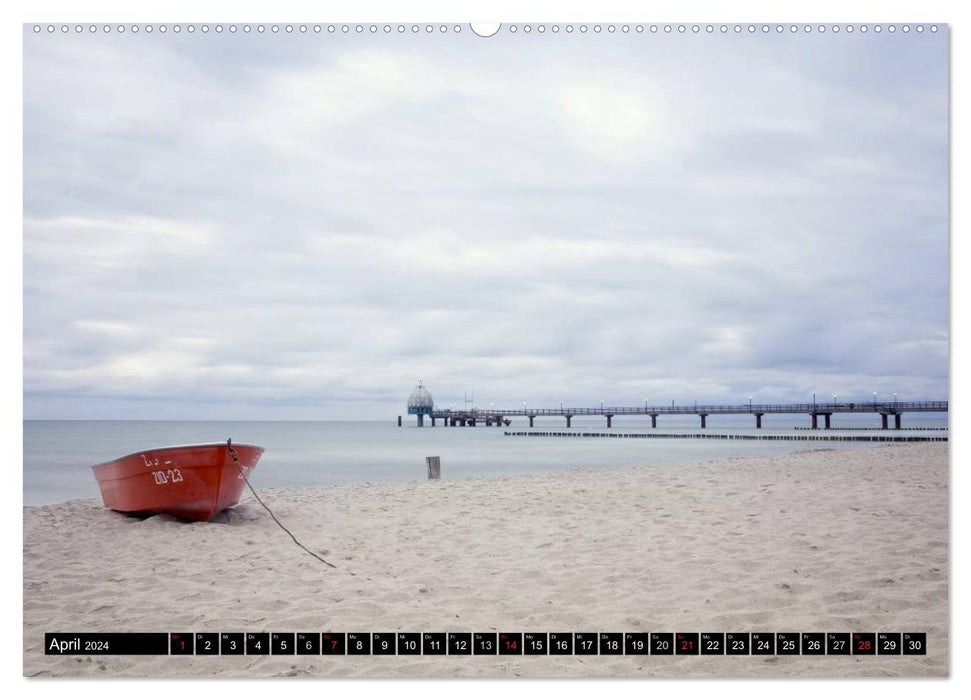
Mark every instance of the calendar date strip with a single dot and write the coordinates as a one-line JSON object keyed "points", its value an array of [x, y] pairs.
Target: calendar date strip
{"points": [[486, 643]]}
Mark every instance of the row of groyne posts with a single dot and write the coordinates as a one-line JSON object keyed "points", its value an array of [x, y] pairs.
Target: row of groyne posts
{"points": [[735, 436], [503, 417]]}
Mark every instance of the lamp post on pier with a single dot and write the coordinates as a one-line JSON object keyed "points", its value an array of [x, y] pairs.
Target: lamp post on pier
{"points": [[750, 403]]}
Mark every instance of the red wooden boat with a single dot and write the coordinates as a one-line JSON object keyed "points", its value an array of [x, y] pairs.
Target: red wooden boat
{"points": [[193, 482]]}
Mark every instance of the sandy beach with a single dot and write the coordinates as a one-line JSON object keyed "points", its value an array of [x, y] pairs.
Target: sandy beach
{"points": [[814, 541]]}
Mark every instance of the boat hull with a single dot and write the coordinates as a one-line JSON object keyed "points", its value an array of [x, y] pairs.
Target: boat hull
{"points": [[193, 482]]}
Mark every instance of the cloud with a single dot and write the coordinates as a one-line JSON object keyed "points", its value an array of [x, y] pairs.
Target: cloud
{"points": [[616, 123], [290, 229]]}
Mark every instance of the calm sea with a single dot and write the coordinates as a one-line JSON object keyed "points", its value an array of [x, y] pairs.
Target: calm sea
{"points": [[58, 454]]}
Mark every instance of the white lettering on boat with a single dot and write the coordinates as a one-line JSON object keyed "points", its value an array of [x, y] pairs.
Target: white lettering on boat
{"points": [[170, 476]]}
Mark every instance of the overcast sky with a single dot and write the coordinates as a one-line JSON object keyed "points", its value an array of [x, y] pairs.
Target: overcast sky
{"points": [[302, 226]]}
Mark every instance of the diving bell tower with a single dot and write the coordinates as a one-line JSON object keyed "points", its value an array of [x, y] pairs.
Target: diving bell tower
{"points": [[420, 403]]}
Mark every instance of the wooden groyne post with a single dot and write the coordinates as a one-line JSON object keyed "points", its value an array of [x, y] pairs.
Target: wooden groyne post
{"points": [[434, 468]]}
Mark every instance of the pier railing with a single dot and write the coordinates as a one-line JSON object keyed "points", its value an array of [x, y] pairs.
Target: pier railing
{"points": [[887, 407]]}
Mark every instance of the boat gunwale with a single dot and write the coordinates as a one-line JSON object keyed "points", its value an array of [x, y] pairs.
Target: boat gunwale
{"points": [[174, 447]]}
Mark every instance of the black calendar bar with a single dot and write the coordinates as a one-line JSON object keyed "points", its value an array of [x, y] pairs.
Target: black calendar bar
{"points": [[105, 643], [897, 644]]}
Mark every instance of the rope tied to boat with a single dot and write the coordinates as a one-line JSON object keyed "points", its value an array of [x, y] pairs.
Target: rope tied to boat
{"points": [[232, 453]]}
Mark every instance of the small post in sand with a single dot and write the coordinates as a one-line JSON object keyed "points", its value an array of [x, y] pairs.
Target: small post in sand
{"points": [[434, 467]]}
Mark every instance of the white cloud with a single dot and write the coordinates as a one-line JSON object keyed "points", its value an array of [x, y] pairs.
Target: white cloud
{"points": [[298, 109], [616, 123], [312, 221], [122, 242]]}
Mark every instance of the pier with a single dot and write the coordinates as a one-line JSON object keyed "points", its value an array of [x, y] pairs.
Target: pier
{"points": [[815, 411]]}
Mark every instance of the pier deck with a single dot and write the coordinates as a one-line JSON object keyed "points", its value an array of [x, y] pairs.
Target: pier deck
{"points": [[815, 410]]}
